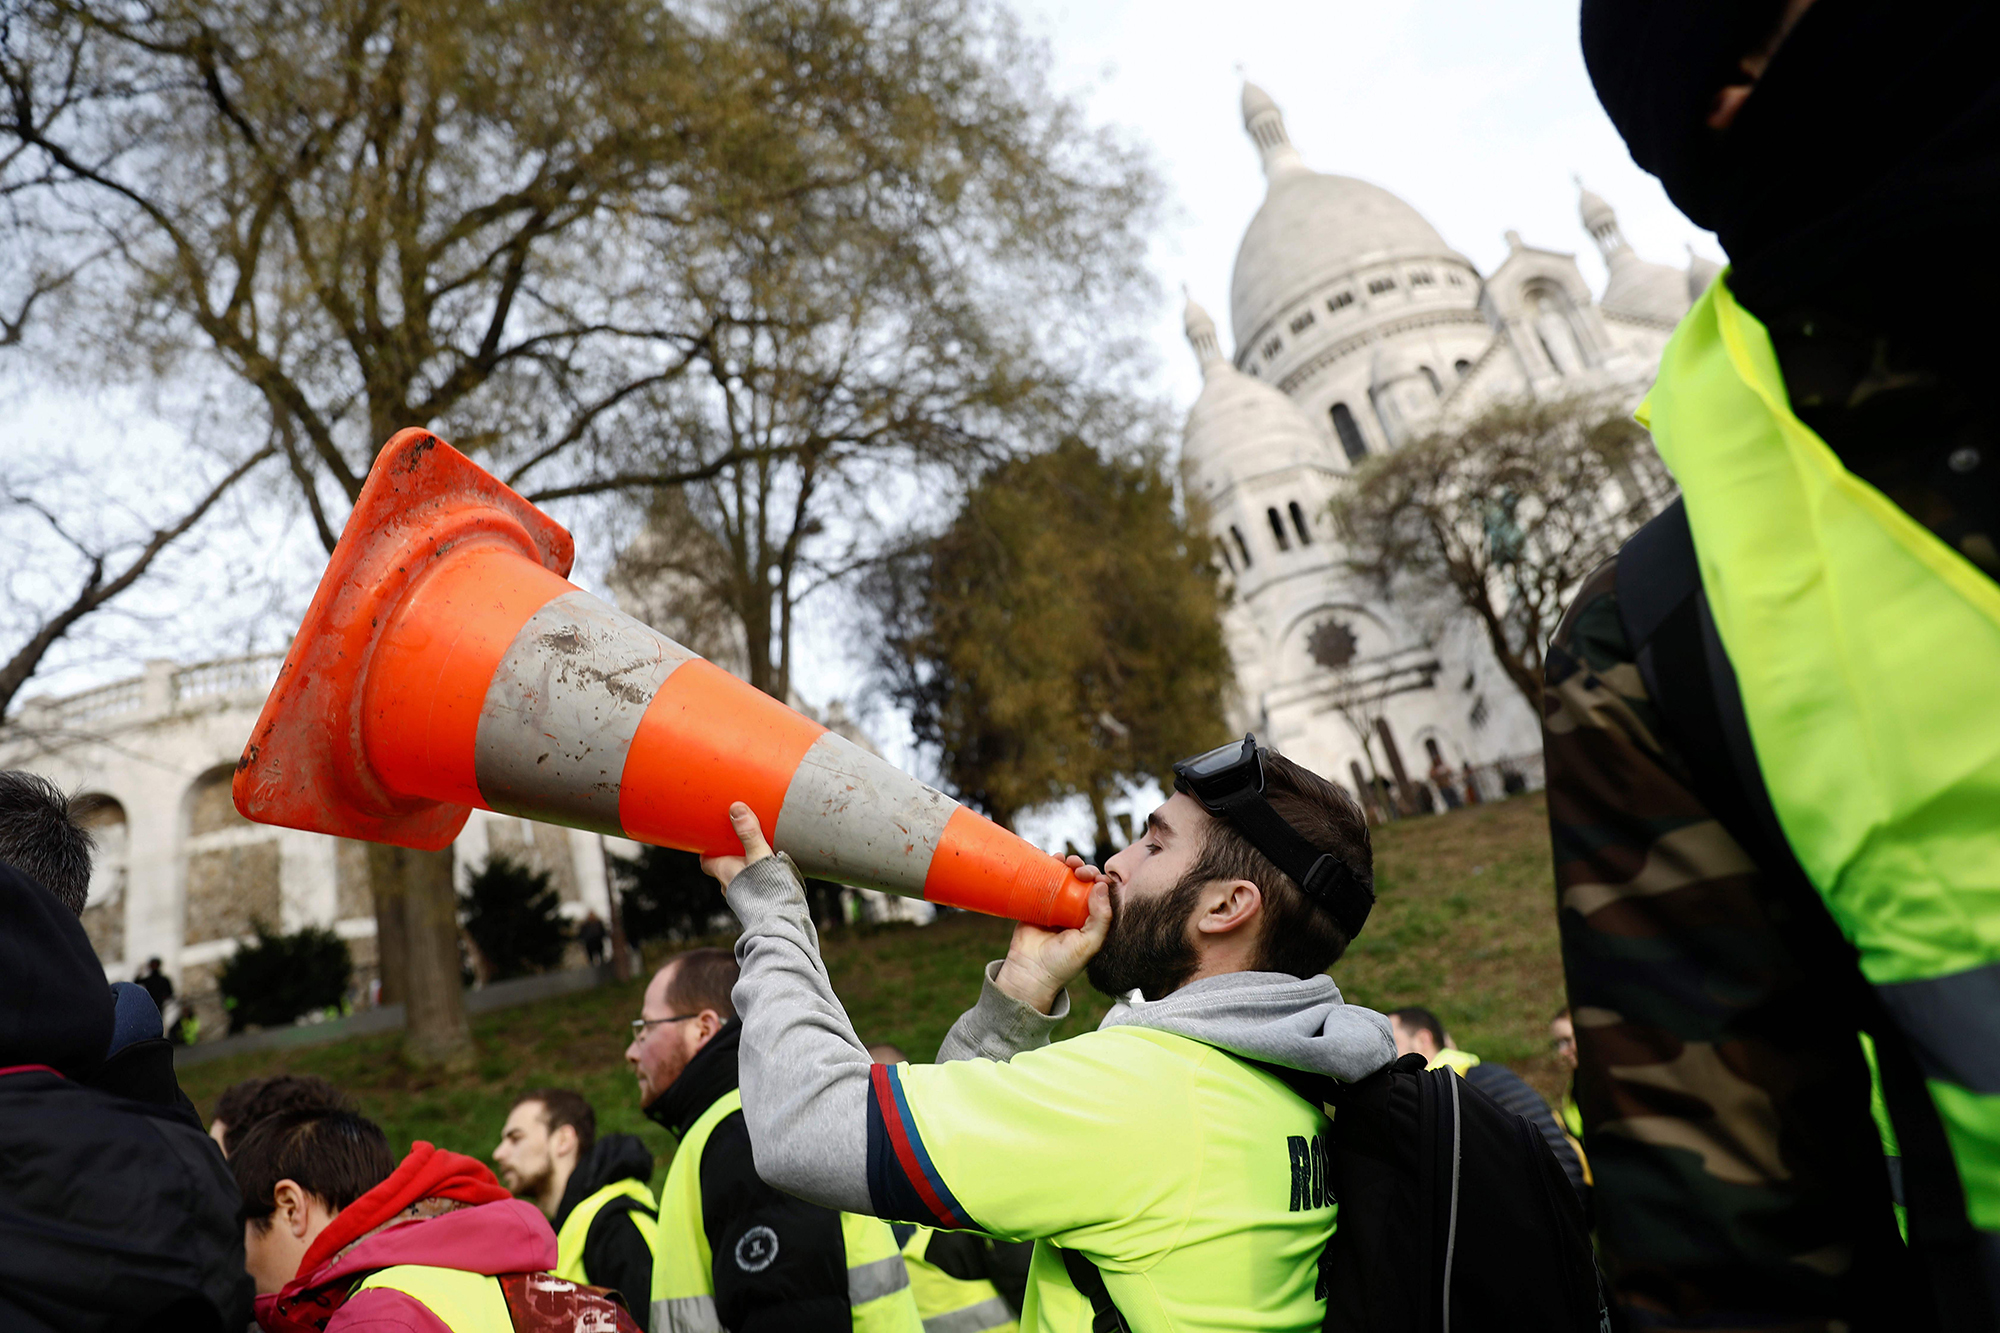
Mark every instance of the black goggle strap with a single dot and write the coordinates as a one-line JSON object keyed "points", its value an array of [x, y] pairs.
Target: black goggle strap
{"points": [[1322, 876]]}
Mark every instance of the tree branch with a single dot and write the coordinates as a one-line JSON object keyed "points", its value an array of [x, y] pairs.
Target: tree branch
{"points": [[96, 591]]}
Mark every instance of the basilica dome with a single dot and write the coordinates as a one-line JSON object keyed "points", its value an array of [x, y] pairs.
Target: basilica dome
{"points": [[1239, 426], [1313, 227]]}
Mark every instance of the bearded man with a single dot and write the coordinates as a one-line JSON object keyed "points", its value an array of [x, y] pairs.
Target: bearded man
{"points": [[1156, 1163]]}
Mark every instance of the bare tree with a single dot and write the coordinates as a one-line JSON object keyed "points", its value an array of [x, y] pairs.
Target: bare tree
{"points": [[774, 252], [1504, 515], [109, 569], [942, 288], [371, 216]]}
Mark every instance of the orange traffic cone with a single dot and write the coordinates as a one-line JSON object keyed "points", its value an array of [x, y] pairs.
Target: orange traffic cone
{"points": [[446, 662]]}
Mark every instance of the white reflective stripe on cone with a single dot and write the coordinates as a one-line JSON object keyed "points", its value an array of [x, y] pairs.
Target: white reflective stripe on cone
{"points": [[686, 1314], [562, 708], [851, 816], [872, 1281]]}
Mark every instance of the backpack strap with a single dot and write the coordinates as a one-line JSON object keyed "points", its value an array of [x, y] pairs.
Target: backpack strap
{"points": [[1083, 1275]]}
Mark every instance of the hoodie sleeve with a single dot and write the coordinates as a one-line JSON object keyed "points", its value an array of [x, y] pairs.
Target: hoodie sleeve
{"points": [[804, 1074], [1000, 1027]]}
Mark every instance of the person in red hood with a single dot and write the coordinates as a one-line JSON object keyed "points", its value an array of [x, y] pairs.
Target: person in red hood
{"points": [[342, 1239]]}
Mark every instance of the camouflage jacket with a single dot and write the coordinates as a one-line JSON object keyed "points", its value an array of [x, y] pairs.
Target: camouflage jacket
{"points": [[1725, 1104]]}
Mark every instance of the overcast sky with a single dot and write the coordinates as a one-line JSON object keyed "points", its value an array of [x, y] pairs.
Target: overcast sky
{"points": [[1475, 112]]}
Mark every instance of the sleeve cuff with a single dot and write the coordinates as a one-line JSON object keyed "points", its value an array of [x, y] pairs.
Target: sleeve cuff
{"points": [[768, 892], [999, 1026]]}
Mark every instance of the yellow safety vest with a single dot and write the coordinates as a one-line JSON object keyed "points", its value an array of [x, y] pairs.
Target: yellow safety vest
{"points": [[1867, 654], [463, 1302], [878, 1281], [949, 1304], [576, 1229]]}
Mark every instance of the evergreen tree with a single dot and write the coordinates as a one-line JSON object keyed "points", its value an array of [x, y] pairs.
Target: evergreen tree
{"points": [[515, 918]]}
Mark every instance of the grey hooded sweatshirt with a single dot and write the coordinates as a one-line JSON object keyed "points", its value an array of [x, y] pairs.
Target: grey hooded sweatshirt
{"points": [[804, 1072]]}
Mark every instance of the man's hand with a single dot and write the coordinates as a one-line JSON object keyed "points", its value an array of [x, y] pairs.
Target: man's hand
{"points": [[1041, 962], [751, 834]]}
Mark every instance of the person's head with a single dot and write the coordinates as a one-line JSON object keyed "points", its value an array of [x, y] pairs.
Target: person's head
{"points": [[547, 1132], [242, 1105], [39, 837], [1192, 897], [152, 966], [1562, 1037], [687, 1003], [884, 1053], [296, 1171], [1417, 1031]]}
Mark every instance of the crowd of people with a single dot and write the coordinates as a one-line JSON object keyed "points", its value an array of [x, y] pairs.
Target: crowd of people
{"points": [[1772, 761], [816, 1183]]}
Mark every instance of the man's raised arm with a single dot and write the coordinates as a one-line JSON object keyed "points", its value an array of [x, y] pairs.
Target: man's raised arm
{"points": [[804, 1073]]}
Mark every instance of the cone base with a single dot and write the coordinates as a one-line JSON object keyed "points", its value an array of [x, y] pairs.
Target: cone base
{"points": [[305, 766]]}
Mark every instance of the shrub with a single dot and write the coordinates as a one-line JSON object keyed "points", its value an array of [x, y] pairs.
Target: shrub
{"points": [[515, 918], [665, 896], [282, 977]]}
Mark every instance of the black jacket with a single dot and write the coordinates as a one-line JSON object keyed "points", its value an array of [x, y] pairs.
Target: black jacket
{"points": [[615, 1252], [115, 1214], [804, 1286]]}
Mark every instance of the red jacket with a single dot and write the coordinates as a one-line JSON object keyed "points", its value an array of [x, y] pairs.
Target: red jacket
{"points": [[438, 1208]]}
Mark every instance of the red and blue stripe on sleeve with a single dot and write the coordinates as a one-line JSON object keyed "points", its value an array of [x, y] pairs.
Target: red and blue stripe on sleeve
{"points": [[903, 1181]]}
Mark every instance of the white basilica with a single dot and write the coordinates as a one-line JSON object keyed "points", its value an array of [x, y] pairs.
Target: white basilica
{"points": [[1356, 326]]}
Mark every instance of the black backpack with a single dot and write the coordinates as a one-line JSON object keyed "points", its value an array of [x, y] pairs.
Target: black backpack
{"points": [[1454, 1214]]}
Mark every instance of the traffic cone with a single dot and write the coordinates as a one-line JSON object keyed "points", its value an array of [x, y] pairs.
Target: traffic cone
{"points": [[447, 662]]}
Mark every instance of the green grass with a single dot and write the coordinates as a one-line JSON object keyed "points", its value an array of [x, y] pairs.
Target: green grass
{"points": [[1464, 925]]}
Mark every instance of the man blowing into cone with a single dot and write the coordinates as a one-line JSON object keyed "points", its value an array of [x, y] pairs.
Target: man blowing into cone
{"points": [[1152, 1151]]}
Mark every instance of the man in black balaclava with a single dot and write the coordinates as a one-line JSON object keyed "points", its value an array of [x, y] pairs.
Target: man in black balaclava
{"points": [[1848, 156]]}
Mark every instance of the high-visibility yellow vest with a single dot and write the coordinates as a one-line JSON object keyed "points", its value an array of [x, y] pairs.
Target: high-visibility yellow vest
{"points": [[950, 1304], [1455, 1060], [463, 1302], [576, 1229], [1867, 655], [878, 1281]]}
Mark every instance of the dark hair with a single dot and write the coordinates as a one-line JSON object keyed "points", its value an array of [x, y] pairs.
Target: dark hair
{"points": [[1300, 937], [335, 1156], [1419, 1019], [39, 837], [703, 979], [561, 1106], [243, 1105], [1559, 1014]]}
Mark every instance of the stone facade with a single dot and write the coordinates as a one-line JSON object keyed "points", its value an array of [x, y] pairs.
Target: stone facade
{"points": [[179, 875], [1357, 328]]}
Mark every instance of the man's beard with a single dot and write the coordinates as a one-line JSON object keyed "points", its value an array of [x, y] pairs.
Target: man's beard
{"points": [[1147, 948], [532, 1187]]}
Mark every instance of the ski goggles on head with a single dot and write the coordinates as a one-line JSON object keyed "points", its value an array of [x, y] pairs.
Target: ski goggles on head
{"points": [[1228, 782]]}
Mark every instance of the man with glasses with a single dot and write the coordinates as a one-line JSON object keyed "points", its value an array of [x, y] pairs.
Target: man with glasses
{"points": [[1164, 1167], [734, 1253]]}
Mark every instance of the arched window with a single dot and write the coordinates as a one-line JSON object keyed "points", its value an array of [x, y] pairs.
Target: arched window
{"points": [[1437, 390], [104, 909], [1299, 524], [1461, 367], [1222, 549], [1349, 431], [1278, 529], [1242, 547]]}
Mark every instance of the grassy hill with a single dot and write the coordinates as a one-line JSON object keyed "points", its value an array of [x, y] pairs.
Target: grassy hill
{"points": [[1464, 924]]}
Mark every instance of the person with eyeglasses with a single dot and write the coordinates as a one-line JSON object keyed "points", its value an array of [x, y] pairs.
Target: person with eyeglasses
{"points": [[1165, 1169], [734, 1253]]}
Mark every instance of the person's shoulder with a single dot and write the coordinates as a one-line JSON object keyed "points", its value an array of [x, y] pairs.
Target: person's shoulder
{"points": [[384, 1310]]}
